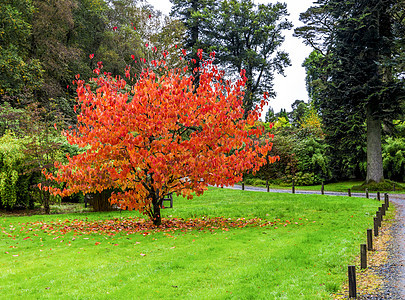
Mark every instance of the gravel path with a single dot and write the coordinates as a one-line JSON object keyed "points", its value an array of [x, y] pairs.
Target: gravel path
{"points": [[393, 272]]}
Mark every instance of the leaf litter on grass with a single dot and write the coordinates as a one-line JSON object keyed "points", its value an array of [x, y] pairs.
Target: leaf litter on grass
{"points": [[130, 225]]}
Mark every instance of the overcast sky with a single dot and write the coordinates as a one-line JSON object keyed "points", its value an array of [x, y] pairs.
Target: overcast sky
{"points": [[291, 87]]}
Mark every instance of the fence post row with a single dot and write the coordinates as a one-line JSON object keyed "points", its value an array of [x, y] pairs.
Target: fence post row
{"points": [[367, 247]]}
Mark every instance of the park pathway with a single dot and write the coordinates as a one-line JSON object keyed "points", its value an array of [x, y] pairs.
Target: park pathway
{"points": [[392, 272]]}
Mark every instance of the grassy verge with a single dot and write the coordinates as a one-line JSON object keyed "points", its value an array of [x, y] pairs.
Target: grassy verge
{"points": [[301, 253], [342, 186]]}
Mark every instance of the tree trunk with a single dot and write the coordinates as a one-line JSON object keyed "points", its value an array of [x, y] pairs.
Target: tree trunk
{"points": [[374, 152], [194, 44], [156, 217], [46, 203], [100, 202]]}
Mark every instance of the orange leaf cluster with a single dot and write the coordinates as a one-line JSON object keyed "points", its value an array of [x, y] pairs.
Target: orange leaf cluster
{"points": [[130, 225], [161, 136]]}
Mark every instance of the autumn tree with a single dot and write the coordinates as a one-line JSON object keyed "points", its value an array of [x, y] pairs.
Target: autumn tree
{"points": [[159, 137]]}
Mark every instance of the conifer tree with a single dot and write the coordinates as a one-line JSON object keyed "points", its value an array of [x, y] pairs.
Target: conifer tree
{"points": [[360, 88]]}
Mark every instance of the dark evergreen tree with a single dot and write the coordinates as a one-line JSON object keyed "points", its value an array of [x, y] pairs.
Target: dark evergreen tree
{"points": [[299, 111], [194, 15], [270, 116], [20, 73], [247, 37], [316, 75], [282, 114], [360, 88]]}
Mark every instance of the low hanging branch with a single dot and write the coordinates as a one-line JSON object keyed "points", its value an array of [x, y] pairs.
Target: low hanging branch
{"points": [[160, 137]]}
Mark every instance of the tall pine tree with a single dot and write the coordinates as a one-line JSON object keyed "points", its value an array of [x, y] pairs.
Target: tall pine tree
{"points": [[248, 36], [194, 15], [360, 87], [244, 35]]}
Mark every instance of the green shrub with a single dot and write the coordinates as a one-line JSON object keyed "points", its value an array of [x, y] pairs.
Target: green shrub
{"points": [[386, 185], [394, 158], [13, 185], [302, 154], [303, 179]]}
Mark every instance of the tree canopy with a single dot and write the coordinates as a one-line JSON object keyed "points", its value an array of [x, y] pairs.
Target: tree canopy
{"points": [[159, 137], [354, 60], [245, 36]]}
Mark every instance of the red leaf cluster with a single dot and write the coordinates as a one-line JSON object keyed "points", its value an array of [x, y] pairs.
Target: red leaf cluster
{"points": [[141, 226], [161, 136]]}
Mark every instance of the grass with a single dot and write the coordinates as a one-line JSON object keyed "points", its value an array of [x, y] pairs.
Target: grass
{"points": [[303, 254], [342, 186]]}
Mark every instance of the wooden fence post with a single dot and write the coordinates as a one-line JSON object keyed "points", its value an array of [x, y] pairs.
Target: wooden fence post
{"points": [[322, 189], [386, 200], [349, 192], [369, 240], [378, 196], [293, 187], [352, 282], [243, 185], [375, 226], [267, 186], [367, 196], [380, 216], [363, 256]]}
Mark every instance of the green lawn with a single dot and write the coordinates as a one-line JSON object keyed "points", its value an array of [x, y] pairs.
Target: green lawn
{"points": [[302, 252], [341, 186]]}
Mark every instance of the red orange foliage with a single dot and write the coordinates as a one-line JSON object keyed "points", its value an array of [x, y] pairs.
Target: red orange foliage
{"points": [[159, 137], [131, 225]]}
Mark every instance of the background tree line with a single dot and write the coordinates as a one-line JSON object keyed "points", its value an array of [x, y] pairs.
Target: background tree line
{"points": [[355, 81], [44, 44], [352, 127]]}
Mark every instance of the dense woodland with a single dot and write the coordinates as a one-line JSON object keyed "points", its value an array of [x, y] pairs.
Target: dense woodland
{"points": [[352, 127]]}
